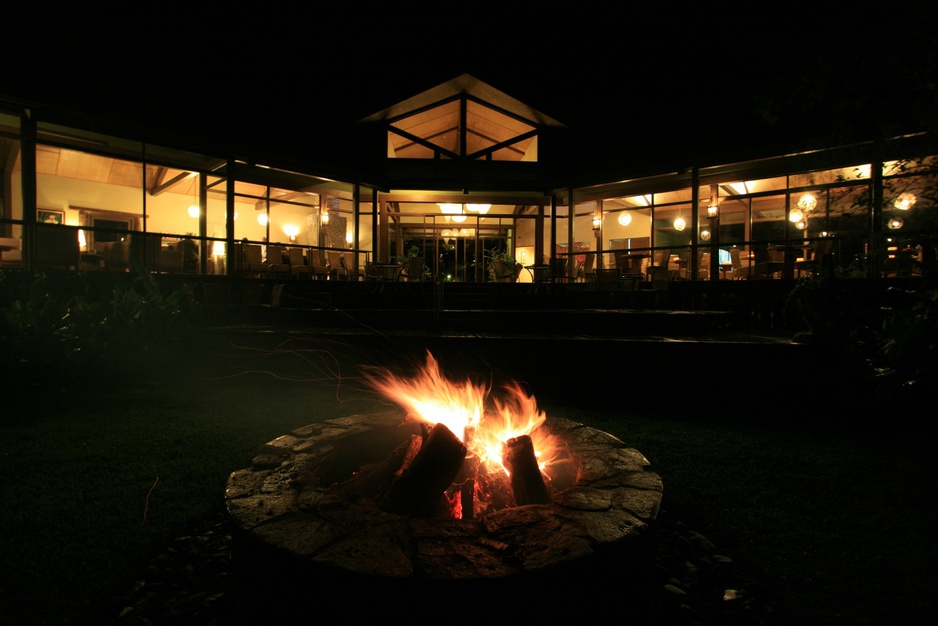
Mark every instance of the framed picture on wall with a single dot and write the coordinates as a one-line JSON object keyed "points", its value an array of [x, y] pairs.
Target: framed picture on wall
{"points": [[50, 216]]}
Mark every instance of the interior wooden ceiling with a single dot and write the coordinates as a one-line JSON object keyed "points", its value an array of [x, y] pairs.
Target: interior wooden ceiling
{"points": [[440, 126]]}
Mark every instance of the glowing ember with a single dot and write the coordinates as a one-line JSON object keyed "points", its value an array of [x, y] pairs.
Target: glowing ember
{"points": [[462, 407]]}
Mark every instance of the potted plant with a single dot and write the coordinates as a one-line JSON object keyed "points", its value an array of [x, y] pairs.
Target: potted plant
{"points": [[504, 267]]}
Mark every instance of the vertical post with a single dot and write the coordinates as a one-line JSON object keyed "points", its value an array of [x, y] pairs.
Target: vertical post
{"points": [[230, 252], [713, 214], [877, 241], [539, 234], [28, 174], [204, 246]]}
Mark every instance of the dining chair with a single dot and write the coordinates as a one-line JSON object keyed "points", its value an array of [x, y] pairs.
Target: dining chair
{"points": [[661, 260], [298, 266], [703, 265], [659, 285], [820, 257], [414, 270], [335, 265], [319, 268], [740, 271]]}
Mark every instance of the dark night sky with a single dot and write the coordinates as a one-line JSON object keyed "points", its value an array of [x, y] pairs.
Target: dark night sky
{"points": [[709, 81]]}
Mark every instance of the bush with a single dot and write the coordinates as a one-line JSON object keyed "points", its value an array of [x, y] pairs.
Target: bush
{"points": [[59, 326]]}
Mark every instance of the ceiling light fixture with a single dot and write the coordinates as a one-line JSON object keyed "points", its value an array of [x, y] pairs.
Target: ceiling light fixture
{"points": [[679, 224], [625, 218], [807, 202], [905, 201]]}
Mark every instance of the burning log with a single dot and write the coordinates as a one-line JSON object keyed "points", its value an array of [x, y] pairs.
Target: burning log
{"points": [[377, 479], [526, 480], [421, 485]]}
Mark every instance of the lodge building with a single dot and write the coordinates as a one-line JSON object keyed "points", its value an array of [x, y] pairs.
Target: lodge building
{"points": [[466, 179]]}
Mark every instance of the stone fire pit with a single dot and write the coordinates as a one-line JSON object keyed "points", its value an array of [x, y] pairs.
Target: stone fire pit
{"points": [[302, 547]]}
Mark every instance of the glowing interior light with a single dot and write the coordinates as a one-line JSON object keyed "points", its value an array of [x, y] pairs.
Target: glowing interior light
{"points": [[905, 201], [807, 202], [262, 219], [479, 208], [796, 216], [291, 230], [896, 223], [193, 210], [679, 224], [705, 234], [625, 218]]}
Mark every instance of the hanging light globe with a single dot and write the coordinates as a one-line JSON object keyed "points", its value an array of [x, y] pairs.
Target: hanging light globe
{"points": [[905, 201], [896, 223], [625, 218], [705, 234], [807, 202], [796, 216], [679, 224]]}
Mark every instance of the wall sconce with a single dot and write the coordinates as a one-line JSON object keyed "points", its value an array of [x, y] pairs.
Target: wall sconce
{"points": [[905, 201], [597, 221], [713, 210], [625, 218], [291, 231], [679, 224]]}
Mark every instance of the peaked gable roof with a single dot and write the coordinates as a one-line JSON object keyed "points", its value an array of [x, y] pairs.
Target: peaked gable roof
{"points": [[471, 86]]}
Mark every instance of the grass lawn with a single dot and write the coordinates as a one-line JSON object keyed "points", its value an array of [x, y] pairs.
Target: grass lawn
{"points": [[94, 478]]}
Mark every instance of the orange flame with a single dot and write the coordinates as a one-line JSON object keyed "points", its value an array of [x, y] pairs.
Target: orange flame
{"points": [[461, 407]]}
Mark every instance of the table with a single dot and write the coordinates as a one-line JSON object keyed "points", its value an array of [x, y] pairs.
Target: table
{"points": [[633, 260], [540, 274], [791, 254], [385, 273]]}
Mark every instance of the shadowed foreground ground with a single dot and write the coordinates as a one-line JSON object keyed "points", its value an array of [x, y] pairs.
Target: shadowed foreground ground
{"points": [[823, 501]]}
